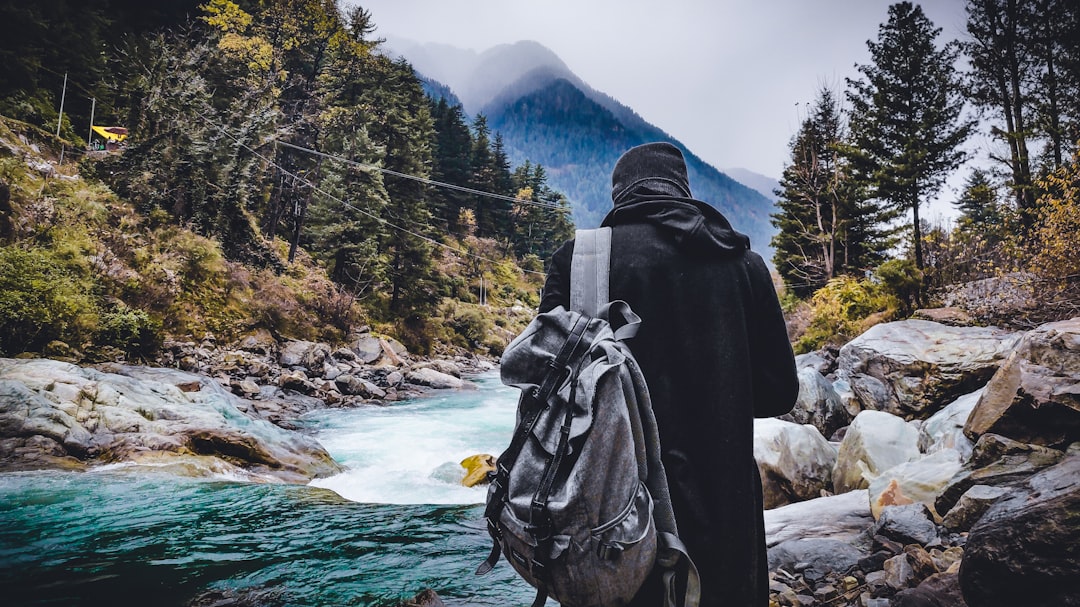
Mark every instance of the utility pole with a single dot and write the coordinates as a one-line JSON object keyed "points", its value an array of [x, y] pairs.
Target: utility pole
{"points": [[63, 94], [93, 106]]}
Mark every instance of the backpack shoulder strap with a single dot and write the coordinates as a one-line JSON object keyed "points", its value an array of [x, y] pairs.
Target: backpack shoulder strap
{"points": [[589, 271]]}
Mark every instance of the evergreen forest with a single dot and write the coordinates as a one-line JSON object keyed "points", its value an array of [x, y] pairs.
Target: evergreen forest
{"points": [[853, 245], [281, 173]]}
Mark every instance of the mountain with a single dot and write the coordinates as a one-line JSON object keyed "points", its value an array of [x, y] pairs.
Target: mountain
{"points": [[767, 186], [548, 115]]}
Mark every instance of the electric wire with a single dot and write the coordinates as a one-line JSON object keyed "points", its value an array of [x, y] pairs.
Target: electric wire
{"points": [[424, 180], [344, 203]]}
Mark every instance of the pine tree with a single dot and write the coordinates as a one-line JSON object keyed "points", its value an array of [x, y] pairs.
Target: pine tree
{"points": [[452, 163], [1002, 66], [482, 167], [906, 114], [811, 210]]}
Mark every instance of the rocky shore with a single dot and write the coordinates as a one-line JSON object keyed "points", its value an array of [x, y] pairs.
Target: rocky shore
{"points": [[206, 408], [924, 465], [928, 465]]}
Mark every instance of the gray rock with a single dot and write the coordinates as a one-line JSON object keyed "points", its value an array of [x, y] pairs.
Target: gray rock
{"points": [[435, 379], [875, 442], [304, 354], [367, 348], [998, 462], [912, 368], [908, 524], [1026, 549], [259, 341], [54, 413], [1035, 396], [938, 590], [971, 506], [795, 461], [899, 573], [818, 404], [356, 386], [945, 429], [821, 361], [821, 556], [921, 480], [839, 517]]}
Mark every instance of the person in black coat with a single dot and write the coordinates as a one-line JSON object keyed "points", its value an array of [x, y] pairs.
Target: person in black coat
{"points": [[714, 351]]}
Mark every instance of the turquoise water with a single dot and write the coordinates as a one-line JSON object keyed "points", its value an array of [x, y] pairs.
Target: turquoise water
{"points": [[397, 522]]}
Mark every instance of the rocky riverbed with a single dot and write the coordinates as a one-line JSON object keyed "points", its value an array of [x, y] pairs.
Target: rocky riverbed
{"points": [[924, 465]]}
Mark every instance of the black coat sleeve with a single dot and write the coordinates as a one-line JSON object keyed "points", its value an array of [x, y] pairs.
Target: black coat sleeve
{"points": [[557, 285], [776, 381]]}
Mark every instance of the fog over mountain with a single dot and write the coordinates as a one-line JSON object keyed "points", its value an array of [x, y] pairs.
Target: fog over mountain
{"points": [[548, 115]]}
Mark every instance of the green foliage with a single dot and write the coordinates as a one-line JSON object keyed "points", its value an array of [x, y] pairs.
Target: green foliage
{"points": [[132, 331], [841, 310], [43, 297], [900, 281]]}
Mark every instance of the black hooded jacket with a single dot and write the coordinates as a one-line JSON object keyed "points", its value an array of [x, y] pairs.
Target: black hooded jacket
{"points": [[713, 348]]}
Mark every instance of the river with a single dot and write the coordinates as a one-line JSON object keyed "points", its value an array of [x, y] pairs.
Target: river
{"points": [[396, 522]]}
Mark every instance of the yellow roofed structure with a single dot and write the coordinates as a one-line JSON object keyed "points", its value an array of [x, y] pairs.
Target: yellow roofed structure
{"points": [[111, 133]]}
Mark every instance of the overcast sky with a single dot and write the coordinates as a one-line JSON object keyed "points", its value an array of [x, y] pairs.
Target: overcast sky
{"points": [[728, 78]]}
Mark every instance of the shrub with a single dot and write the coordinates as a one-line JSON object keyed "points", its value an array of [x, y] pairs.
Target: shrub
{"points": [[42, 299], [841, 310], [132, 331]]}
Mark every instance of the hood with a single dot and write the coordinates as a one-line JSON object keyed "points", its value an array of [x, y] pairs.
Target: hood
{"points": [[650, 185]]}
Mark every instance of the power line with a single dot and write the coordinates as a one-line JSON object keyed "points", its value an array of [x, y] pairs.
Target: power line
{"points": [[424, 180], [381, 220]]}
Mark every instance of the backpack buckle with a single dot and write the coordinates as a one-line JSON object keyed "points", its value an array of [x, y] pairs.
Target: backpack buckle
{"points": [[609, 551]]}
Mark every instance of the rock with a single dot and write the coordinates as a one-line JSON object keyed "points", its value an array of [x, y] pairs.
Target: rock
{"points": [[297, 381], [795, 461], [1026, 549], [425, 598], [971, 506], [822, 361], [477, 468], [259, 341], [818, 404], [908, 524], [848, 398], [945, 429], [344, 354], [1035, 396], [54, 413], [997, 297], [875, 442], [938, 590], [356, 386], [912, 368], [304, 354], [918, 481], [822, 556], [996, 461], [434, 379], [899, 573], [394, 378], [442, 366], [840, 517], [954, 317], [367, 348]]}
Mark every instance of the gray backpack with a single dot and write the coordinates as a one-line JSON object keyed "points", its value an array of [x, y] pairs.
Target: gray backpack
{"points": [[579, 501]]}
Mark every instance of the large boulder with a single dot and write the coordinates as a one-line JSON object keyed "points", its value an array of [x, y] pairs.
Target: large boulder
{"points": [[920, 480], [1026, 549], [308, 355], [875, 442], [996, 461], [945, 429], [912, 368], [1035, 396], [429, 377], [839, 517], [795, 461], [818, 404], [58, 414]]}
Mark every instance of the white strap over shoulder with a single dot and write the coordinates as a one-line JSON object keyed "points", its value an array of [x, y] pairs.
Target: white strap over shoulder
{"points": [[589, 271]]}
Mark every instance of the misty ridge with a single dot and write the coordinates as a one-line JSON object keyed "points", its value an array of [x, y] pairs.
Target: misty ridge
{"points": [[550, 116]]}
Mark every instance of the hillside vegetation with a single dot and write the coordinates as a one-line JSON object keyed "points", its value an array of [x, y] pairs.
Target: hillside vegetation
{"points": [[279, 174]]}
